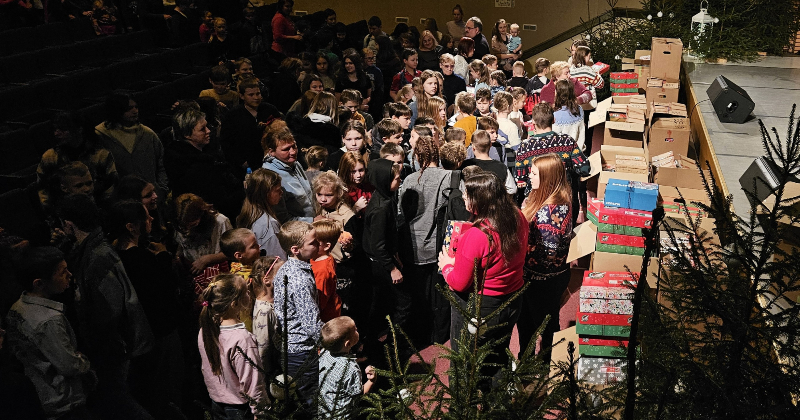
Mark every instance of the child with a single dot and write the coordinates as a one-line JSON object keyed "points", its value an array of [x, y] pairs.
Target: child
{"points": [[227, 372], [407, 75], [42, 339], [455, 134], [262, 193], [301, 315], [265, 322], [542, 68], [514, 41], [393, 152], [206, 27], [465, 119], [380, 245], [240, 245], [405, 94], [483, 102], [568, 114], [479, 73], [497, 151], [490, 60], [340, 377], [351, 99], [497, 82], [386, 131], [324, 267], [481, 144], [281, 157], [354, 139], [520, 96], [419, 130], [503, 103], [353, 172], [518, 78], [220, 78], [316, 157]]}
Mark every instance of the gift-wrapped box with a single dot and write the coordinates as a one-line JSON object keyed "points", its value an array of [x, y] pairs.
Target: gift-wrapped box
{"points": [[601, 292], [601, 68], [607, 306], [455, 230], [601, 370]]}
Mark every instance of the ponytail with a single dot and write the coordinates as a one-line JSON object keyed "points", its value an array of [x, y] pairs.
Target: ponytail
{"points": [[218, 297]]}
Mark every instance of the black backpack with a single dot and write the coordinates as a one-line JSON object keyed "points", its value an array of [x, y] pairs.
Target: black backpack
{"points": [[454, 208]]}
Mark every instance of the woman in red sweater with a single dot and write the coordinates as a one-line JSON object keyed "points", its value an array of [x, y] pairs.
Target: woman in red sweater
{"points": [[494, 216], [284, 34]]}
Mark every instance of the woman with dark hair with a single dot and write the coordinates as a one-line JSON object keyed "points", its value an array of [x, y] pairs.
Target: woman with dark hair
{"points": [[284, 34], [351, 76], [493, 242], [324, 69], [500, 46], [430, 25], [466, 49], [399, 29], [132, 187], [284, 89], [156, 376]]}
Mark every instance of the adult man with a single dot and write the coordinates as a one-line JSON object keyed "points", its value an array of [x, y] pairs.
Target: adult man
{"points": [[244, 126], [473, 29], [136, 148], [111, 322], [375, 31], [456, 26], [330, 17]]}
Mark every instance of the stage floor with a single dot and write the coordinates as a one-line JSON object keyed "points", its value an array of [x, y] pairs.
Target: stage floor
{"points": [[774, 85]]}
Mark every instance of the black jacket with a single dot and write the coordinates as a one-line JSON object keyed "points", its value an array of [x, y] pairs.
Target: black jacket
{"points": [[380, 217], [308, 133], [241, 135]]}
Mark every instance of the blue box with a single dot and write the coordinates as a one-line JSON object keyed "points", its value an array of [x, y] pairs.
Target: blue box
{"points": [[617, 194], [643, 195]]}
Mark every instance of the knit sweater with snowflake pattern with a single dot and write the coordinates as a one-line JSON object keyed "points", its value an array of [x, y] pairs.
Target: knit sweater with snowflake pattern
{"points": [[548, 242], [563, 145]]}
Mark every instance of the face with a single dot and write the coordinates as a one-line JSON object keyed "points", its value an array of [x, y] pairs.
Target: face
{"points": [[467, 203], [431, 86], [357, 174], [251, 250], [69, 138], [519, 103], [287, 8], [394, 138], [77, 184], [275, 194], [456, 15], [251, 97], [131, 116], [447, 68], [427, 42], [502, 27], [349, 66], [564, 74], [369, 58], [331, 20], [412, 62], [60, 281], [405, 121], [322, 65], [398, 159], [483, 105], [492, 67], [470, 30], [474, 74], [413, 139], [148, 222], [220, 88], [326, 199], [341, 36], [220, 28], [286, 152], [208, 18], [310, 247], [375, 30], [534, 177], [442, 113], [396, 181], [316, 86], [245, 68], [149, 197], [201, 135], [353, 140], [492, 134], [514, 31]]}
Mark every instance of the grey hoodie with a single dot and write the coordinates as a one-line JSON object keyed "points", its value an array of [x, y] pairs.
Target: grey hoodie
{"points": [[420, 199]]}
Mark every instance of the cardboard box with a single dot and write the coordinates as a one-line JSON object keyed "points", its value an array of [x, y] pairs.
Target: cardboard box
{"points": [[606, 159], [665, 58], [585, 242], [669, 129], [688, 181], [617, 193], [660, 90], [559, 352], [619, 279], [643, 196]]}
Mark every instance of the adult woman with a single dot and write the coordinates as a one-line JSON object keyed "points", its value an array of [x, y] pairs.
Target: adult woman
{"points": [[281, 158], [132, 187], [581, 68], [322, 68], [420, 197], [318, 126], [198, 230], [498, 229], [466, 48], [500, 47], [548, 209], [560, 71], [284, 33], [433, 28], [428, 52], [352, 76]]}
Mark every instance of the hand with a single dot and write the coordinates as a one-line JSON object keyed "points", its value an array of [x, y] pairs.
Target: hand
{"points": [[397, 276], [361, 204], [370, 371], [445, 259], [199, 265], [320, 217], [167, 17], [156, 248]]}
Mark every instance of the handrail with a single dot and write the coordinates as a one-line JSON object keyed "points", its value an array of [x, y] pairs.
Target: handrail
{"points": [[575, 30]]}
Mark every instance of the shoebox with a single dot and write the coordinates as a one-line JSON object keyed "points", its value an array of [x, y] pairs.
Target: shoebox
{"points": [[453, 234], [602, 347], [660, 90], [617, 193], [624, 77], [631, 132], [601, 370], [669, 129], [619, 279], [617, 220], [620, 244], [665, 58], [643, 195], [619, 162]]}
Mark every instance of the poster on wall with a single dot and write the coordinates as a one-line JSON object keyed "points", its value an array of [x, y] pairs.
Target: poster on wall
{"points": [[503, 3]]}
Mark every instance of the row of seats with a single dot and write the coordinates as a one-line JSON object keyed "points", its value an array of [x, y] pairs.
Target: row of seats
{"points": [[26, 39]]}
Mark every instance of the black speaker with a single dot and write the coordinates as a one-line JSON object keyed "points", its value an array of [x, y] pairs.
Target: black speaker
{"points": [[731, 103], [760, 178]]}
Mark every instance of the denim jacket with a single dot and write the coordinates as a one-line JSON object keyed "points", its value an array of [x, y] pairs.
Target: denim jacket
{"points": [[297, 201]]}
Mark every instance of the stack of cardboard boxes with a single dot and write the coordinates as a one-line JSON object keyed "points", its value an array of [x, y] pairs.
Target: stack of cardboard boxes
{"points": [[665, 70]]}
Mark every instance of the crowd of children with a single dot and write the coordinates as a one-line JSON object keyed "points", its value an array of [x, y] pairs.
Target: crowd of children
{"points": [[290, 234]]}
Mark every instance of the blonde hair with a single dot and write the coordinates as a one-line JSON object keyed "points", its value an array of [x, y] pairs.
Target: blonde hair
{"points": [[328, 230], [479, 67], [325, 104], [329, 179], [225, 291], [292, 233], [431, 110], [503, 101], [556, 69], [403, 92], [189, 208]]}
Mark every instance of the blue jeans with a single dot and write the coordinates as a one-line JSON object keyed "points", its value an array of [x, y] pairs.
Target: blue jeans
{"points": [[304, 370], [221, 411]]}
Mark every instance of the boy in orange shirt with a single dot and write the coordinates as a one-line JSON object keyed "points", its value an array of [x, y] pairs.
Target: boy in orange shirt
{"points": [[324, 268]]}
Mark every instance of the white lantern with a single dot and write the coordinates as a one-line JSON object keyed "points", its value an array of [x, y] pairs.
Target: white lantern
{"points": [[701, 23]]}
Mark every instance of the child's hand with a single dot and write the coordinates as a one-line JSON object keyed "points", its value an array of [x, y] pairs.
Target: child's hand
{"points": [[370, 371], [445, 259], [361, 204], [397, 276], [346, 240], [199, 265]]}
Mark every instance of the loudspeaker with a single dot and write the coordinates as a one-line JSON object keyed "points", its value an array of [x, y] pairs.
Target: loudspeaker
{"points": [[761, 178], [731, 103]]}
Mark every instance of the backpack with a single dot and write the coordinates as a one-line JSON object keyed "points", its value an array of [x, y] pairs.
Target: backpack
{"points": [[530, 102], [454, 208]]}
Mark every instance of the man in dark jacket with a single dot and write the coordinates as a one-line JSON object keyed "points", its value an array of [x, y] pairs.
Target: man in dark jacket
{"points": [[474, 30]]}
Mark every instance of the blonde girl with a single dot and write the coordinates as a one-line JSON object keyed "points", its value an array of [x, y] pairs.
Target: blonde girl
{"points": [[479, 74], [265, 322], [436, 109], [227, 349], [262, 193]]}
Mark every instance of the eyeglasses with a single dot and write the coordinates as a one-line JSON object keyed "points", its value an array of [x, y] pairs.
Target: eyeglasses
{"points": [[369, 58], [447, 66], [469, 29]]}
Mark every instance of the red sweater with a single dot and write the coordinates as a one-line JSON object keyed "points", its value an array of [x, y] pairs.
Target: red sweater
{"points": [[582, 94], [501, 278], [330, 305]]}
